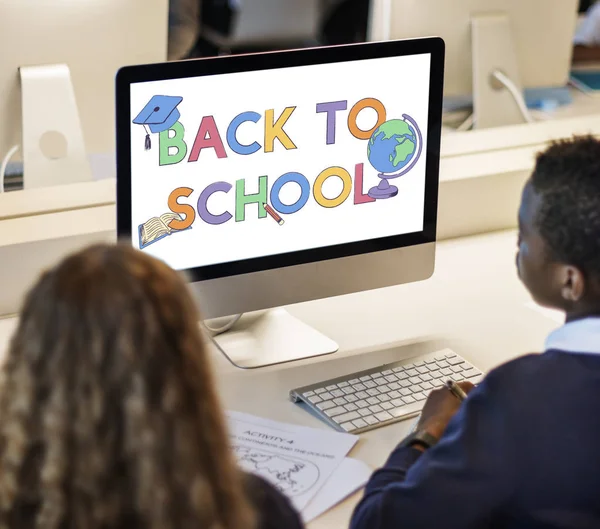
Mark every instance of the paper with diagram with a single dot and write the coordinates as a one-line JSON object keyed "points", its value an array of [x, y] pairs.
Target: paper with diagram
{"points": [[295, 459]]}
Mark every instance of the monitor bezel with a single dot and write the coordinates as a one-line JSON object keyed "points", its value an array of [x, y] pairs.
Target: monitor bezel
{"points": [[129, 75]]}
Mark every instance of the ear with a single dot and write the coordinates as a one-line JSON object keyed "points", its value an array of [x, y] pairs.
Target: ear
{"points": [[573, 284]]}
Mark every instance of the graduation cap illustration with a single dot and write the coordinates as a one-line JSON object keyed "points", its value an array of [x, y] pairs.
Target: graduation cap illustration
{"points": [[159, 114]]}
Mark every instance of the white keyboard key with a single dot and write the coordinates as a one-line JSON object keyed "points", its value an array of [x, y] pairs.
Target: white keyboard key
{"points": [[470, 373], [457, 369], [364, 413], [319, 391], [360, 423], [315, 399], [386, 405], [442, 364], [422, 370], [326, 396], [427, 386], [419, 396], [387, 372], [455, 361], [391, 378], [332, 387], [394, 394], [383, 398], [343, 384], [332, 412], [350, 416], [348, 426], [371, 419], [412, 372], [414, 380], [373, 392], [394, 386], [353, 381], [337, 393], [398, 403], [373, 400], [309, 394], [408, 400], [349, 390], [406, 410], [340, 401], [362, 395], [326, 405], [447, 372], [351, 398], [365, 378], [376, 408], [351, 407], [476, 380], [405, 392], [370, 384], [426, 377], [383, 416], [362, 404], [359, 387]]}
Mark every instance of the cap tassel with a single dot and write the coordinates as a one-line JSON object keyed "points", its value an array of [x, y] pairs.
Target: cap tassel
{"points": [[148, 143]]}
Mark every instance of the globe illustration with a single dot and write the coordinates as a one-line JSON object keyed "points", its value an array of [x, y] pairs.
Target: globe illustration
{"points": [[393, 150]]}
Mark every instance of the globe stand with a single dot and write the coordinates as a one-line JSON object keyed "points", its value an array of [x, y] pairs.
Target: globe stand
{"points": [[384, 189]]}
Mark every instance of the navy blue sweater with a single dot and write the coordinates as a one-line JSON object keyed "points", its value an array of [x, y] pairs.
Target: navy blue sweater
{"points": [[523, 452]]}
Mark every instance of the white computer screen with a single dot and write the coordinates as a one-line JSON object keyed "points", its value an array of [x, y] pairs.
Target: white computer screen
{"points": [[238, 166]]}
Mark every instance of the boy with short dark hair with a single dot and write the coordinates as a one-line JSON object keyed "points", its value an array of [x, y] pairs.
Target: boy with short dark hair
{"points": [[523, 451]]}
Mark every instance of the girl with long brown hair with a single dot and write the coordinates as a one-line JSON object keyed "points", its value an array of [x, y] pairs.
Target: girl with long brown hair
{"points": [[109, 417]]}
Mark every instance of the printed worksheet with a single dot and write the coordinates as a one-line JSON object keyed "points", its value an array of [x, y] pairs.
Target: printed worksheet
{"points": [[295, 459]]}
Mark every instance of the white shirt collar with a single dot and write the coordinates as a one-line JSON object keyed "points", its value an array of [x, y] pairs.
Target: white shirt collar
{"points": [[579, 336]]}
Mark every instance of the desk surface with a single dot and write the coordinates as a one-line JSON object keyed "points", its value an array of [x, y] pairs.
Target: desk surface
{"points": [[474, 304]]}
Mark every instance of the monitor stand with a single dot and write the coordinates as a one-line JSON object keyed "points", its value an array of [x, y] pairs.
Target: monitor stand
{"points": [[493, 51], [53, 147], [270, 337]]}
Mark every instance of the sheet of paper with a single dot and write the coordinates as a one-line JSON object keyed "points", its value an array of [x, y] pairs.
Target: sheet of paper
{"points": [[350, 476], [555, 315], [295, 459]]}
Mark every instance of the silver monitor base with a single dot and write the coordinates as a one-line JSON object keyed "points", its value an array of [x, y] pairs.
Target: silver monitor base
{"points": [[265, 338]]}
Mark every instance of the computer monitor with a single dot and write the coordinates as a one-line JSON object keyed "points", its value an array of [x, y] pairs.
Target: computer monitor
{"points": [[528, 42], [280, 178], [59, 59]]}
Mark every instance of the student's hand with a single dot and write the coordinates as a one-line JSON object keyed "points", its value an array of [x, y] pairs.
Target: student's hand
{"points": [[440, 407]]}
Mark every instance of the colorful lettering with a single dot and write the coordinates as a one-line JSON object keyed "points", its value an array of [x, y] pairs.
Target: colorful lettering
{"points": [[288, 209], [242, 200], [167, 141], [232, 140], [321, 199], [330, 109], [274, 129], [355, 111], [207, 216], [182, 209], [208, 137], [359, 196]]}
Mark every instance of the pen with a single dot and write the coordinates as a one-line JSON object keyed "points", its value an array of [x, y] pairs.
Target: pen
{"points": [[456, 390]]}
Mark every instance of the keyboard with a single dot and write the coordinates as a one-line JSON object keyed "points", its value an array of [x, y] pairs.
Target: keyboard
{"points": [[369, 399]]}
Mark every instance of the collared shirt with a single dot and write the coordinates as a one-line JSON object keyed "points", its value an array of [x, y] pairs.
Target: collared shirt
{"points": [[579, 336]]}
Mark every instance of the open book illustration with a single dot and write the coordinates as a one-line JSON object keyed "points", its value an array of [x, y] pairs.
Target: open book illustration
{"points": [[156, 228]]}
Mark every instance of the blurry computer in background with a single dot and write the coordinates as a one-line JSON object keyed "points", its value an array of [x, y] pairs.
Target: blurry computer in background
{"points": [[57, 70], [494, 48]]}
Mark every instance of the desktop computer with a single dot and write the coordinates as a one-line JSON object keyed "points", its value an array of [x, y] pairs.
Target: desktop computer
{"points": [[279, 178], [57, 73], [495, 48]]}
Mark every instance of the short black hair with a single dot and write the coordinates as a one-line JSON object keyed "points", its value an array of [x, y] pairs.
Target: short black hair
{"points": [[567, 180]]}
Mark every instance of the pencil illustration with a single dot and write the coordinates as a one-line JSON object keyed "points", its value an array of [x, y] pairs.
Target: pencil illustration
{"points": [[274, 214]]}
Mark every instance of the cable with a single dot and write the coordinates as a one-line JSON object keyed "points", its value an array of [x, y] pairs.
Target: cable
{"points": [[223, 328], [515, 93], [4, 165]]}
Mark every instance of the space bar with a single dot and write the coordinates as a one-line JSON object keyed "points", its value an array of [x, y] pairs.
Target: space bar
{"points": [[408, 409]]}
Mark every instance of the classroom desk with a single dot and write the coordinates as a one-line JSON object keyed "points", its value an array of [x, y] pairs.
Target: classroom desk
{"points": [[474, 304]]}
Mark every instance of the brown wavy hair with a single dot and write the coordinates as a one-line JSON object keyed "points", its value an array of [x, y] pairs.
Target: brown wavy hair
{"points": [[109, 416]]}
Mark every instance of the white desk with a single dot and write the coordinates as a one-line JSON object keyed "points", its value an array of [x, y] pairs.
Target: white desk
{"points": [[474, 304]]}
